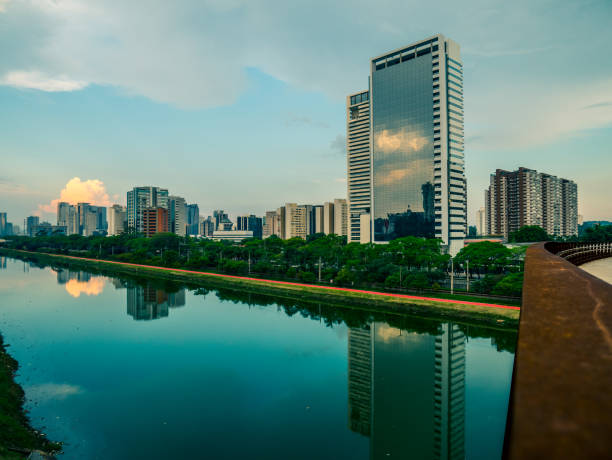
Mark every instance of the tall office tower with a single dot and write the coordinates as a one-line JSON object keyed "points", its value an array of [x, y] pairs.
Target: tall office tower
{"points": [[317, 212], [252, 223], [102, 224], [31, 224], [525, 197], [140, 198], [481, 222], [340, 217], [2, 223], [295, 221], [358, 160], [117, 219], [269, 227], [416, 139], [279, 224], [328, 218], [154, 220], [207, 227], [177, 219], [193, 219], [310, 219], [67, 216], [449, 394]]}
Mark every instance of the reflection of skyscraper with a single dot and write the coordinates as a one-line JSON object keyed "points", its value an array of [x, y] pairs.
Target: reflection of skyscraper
{"points": [[359, 379], [147, 302], [3, 262], [449, 394], [389, 372], [63, 276]]}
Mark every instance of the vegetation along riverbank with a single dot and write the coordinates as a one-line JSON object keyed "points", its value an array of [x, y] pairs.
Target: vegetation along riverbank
{"points": [[480, 311], [17, 437]]}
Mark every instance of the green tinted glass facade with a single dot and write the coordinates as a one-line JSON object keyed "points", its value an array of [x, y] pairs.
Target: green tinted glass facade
{"points": [[402, 148]]}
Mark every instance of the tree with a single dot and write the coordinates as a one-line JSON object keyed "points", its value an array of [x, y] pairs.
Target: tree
{"points": [[485, 255], [510, 285], [598, 234], [528, 234]]}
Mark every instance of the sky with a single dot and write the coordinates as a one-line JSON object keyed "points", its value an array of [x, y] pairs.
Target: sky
{"points": [[240, 105]]}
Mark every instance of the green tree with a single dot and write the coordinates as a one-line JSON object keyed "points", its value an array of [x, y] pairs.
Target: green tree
{"points": [[510, 285], [529, 234], [484, 255]]}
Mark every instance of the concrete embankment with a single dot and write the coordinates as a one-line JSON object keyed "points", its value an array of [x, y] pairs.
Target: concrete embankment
{"points": [[499, 315]]}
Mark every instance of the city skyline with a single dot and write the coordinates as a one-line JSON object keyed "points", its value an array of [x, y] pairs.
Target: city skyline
{"points": [[291, 122]]}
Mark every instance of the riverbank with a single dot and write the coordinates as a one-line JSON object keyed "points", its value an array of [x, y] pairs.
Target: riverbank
{"points": [[17, 437], [499, 315]]}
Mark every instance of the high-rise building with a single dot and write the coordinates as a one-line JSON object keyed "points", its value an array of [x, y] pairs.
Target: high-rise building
{"points": [[317, 212], [67, 216], [340, 217], [358, 160], [415, 106], [31, 224], [154, 220], [207, 227], [481, 222], [222, 221], [177, 219], [252, 223], [193, 219], [117, 219], [140, 198], [269, 224], [280, 222], [328, 218], [525, 197], [3, 223], [295, 221]]}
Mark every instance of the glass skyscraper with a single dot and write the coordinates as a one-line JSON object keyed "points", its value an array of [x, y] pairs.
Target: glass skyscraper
{"points": [[418, 182]]}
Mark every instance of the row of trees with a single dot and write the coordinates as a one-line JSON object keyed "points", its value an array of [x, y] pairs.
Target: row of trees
{"points": [[534, 233], [409, 262]]}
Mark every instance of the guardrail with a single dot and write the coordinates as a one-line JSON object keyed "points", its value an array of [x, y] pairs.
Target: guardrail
{"points": [[560, 401]]}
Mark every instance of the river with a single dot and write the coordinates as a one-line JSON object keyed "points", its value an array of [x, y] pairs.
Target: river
{"points": [[125, 368], [601, 268]]}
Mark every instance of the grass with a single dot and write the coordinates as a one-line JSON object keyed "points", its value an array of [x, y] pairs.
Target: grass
{"points": [[310, 293], [15, 430]]}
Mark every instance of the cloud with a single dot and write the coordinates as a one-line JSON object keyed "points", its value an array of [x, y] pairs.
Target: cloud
{"points": [[339, 144], [36, 80], [92, 287], [295, 120], [3, 4], [598, 105], [391, 141], [92, 191], [51, 391]]}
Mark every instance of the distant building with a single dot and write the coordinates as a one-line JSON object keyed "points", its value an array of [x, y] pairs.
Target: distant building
{"points": [[252, 223], [280, 222], [207, 227], [177, 218], [67, 216], [31, 223], [232, 235], [295, 221], [46, 229], [481, 222], [525, 197], [317, 212], [328, 218], [340, 217], [141, 198], [117, 219], [193, 219], [3, 223], [268, 225], [222, 221], [155, 220]]}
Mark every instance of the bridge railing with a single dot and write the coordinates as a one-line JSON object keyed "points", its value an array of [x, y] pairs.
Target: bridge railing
{"points": [[560, 402]]}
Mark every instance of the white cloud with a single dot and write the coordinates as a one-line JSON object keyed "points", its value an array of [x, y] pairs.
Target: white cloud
{"points": [[36, 80], [51, 391], [92, 191]]}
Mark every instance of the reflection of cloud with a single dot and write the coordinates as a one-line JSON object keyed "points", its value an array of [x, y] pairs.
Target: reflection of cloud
{"points": [[92, 287], [389, 141], [51, 391], [394, 176], [92, 191], [388, 333]]}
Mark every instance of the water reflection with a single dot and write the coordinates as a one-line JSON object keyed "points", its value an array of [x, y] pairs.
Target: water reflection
{"points": [[149, 302], [406, 391], [80, 282]]}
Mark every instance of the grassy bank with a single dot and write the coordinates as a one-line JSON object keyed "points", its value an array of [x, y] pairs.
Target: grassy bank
{"points": [[305, 293], [17, 437]]}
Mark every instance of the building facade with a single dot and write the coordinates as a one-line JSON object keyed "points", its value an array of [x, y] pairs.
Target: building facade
{"points": [[358, 161], [117, 219], [141, 198], [525, 197], [177, 218], [67, 216], [154, 220], [340, 217], [252, 223], [328, 218], [417, 177]]}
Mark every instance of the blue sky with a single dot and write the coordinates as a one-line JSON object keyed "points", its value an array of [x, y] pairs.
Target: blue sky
{"points": [[240, 105]]}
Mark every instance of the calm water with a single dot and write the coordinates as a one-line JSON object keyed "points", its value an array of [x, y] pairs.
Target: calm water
{"points": [[121, 368], [600, 268]]}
